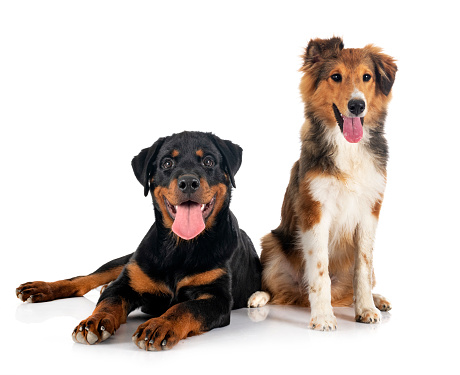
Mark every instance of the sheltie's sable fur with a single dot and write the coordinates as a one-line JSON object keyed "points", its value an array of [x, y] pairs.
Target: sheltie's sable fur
{"points": [[321, 254]]}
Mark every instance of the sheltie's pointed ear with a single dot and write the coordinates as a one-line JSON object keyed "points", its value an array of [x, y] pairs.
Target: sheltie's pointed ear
{"points": [[385, 69], [320, 49], [232, 155], [142, 164]]}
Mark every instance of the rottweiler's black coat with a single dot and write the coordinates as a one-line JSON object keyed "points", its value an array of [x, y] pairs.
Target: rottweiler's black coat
{"points": [[193, 266]]}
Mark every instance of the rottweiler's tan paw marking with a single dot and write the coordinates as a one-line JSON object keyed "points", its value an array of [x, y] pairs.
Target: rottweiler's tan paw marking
{"points": [[37, 291], [97, 328]]}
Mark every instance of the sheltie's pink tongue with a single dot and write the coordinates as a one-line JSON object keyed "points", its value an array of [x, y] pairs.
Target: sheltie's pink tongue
{"points": [[352, 129], [188, 222]]}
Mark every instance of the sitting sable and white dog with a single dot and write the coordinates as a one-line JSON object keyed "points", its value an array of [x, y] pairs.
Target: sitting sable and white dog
{"points": [[321, 254]]}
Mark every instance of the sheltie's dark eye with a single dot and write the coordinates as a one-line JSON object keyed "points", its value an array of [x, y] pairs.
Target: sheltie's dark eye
{"points": [[336, 77], [366, 77]]}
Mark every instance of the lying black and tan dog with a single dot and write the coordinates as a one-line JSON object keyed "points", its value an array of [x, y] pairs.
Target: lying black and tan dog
{"points": [[194, 265]]}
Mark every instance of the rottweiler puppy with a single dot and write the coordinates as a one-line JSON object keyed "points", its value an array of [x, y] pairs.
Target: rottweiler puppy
{"points": [[194, 265]]}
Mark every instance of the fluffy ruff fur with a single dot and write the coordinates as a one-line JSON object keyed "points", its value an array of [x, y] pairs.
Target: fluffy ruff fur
{"points": [[321, 254]]}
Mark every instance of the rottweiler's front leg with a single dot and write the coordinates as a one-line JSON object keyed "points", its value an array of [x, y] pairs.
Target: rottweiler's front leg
{"points": [[181, 321], [205, 303], [112, 309], [109, 314], [121, 297]]}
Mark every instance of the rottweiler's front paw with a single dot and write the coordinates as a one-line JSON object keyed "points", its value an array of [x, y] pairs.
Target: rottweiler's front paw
{"points": [[157, 334], [97, 328], [37, 291]]}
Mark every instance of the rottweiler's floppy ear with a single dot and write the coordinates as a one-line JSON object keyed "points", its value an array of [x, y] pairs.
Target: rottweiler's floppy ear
{"points": [[142, 164], [232, 155], [319, 49], [385, 69]]}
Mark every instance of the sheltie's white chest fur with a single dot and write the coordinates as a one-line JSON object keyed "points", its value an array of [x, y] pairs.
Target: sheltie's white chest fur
{"points": [[347, 201]]}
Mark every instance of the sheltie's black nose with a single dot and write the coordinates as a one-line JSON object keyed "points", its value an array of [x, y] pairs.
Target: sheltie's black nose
{"points": [[356, 106]]}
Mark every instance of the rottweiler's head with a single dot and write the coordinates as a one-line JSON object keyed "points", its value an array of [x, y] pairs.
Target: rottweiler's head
{"points": [[190, 176]]}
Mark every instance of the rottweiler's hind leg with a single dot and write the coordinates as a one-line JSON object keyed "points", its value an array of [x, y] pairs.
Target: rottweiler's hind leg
{"points": [[41, 291]]}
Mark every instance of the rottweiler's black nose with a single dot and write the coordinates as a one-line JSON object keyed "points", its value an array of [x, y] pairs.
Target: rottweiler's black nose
{"points": [[188, 183], [356, 106]]}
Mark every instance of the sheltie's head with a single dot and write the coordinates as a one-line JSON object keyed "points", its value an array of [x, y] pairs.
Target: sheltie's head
{"points": [[349, 88]]}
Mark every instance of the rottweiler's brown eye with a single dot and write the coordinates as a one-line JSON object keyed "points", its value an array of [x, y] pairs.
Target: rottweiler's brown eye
{"points": [[208, 161], [366, 77], [167, 164]]}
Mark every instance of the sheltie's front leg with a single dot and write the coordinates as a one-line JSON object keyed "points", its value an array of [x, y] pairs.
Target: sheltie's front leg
{"points": [[315, 250], [365, 310]]}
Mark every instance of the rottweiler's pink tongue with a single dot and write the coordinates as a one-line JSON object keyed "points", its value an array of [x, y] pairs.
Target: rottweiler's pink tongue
{"points": [[189, 221], [352, 129]]}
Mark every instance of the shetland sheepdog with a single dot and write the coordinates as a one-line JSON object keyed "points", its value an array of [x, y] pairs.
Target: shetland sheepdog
{"points": [[321, 253]]}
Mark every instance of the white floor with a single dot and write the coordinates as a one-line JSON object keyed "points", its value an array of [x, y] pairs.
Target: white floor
{"points": [[39, 338]]}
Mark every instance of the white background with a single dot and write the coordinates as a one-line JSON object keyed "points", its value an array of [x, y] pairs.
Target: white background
{"points": [[85, 85]]}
